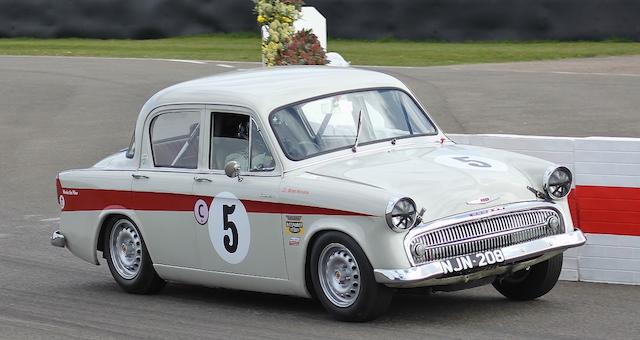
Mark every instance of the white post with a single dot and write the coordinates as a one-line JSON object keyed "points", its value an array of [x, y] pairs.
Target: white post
{"points": [[311, 19]]}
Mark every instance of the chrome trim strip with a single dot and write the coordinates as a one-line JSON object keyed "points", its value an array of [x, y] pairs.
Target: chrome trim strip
{"points": [[434, 270], [58, 240]]}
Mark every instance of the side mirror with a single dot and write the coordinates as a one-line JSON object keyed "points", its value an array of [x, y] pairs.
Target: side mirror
{"points": [[232, 169]]}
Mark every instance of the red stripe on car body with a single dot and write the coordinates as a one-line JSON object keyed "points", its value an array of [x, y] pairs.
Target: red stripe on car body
{"points": [[594, 209], [99, 199]]}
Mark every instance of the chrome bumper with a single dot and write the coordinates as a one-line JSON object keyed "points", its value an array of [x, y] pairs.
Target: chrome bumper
{"points": [[58, 240], [517, 252]]}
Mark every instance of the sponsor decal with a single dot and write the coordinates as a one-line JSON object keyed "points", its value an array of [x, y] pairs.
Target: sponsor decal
{"points": [[70, 192], [229, 228], [201, 212], [293, 225], [294, 241]]}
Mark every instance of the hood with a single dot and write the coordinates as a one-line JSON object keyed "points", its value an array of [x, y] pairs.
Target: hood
{"points": [[446, 179]]}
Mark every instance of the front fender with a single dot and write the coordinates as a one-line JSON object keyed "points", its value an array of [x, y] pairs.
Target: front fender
{"points": [[382, 246]]}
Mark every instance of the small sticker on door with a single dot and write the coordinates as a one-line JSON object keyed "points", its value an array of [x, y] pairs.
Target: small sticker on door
{"points": [[201, 212], [293, 225]]}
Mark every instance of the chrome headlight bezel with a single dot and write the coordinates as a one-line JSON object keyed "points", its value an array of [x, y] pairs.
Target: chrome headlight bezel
{"points": [[404, 206], [554, 189]]}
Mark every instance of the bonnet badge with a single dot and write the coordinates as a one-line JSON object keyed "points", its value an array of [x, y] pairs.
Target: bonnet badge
{"points": [[483, 200]]}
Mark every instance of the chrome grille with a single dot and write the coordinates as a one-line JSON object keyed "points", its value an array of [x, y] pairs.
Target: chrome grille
{"points": [[484, 234]]}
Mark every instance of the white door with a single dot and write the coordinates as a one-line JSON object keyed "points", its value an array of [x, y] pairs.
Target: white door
{"points": [[242, 233], [163, 185]]}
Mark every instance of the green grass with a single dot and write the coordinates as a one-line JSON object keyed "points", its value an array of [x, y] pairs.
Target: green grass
{"points": [[246, 47]]}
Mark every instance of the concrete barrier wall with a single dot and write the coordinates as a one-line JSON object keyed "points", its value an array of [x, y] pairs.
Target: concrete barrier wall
{"points": [[452, 20], [605, 202]]}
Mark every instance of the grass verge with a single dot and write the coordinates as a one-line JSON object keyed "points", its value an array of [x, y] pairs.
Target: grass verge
{"points": [[246, 47]]}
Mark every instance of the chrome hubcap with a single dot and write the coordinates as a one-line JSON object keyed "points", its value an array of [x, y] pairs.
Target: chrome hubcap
{"points": [[126, 249], [339, 275]]}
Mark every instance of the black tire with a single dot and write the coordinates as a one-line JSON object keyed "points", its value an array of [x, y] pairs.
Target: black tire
{"points": [[531, 284], [372, 300], [145, 280]]}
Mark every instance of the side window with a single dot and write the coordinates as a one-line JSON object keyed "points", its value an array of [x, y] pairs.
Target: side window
{"points": [[261, 157], [175, 139], [235, 137], [229, 140]]}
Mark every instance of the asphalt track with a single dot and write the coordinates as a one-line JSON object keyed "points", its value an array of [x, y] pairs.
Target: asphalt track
{"points": [[60, 113]]}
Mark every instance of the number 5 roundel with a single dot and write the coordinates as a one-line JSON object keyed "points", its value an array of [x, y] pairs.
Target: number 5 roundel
{"points": [[229, 228]]}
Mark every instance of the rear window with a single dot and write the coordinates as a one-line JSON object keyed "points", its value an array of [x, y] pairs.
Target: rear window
{"points": [[175, 139]]}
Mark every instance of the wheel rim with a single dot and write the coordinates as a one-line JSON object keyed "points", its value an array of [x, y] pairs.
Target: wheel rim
{"points": [[339, 275], [126, 249]]}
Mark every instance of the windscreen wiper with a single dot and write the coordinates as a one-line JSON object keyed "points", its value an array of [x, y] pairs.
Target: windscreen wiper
{"points": [[354, 148]]}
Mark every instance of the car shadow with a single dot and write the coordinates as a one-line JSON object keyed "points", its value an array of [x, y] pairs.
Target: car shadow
{"points": [[474, 305]]}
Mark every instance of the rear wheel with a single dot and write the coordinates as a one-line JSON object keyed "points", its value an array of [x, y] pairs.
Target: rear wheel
{"points": [[531, 283], [343, 279], [128, 258]]}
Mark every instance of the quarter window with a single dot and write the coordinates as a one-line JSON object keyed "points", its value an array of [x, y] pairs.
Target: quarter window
{"points": [[175, 139], [236, 137]]}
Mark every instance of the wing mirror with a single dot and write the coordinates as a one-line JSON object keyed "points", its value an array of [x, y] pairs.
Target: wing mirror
{"points": [[232, 169]]}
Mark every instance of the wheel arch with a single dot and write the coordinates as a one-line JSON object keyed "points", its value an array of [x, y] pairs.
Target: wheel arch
{"points": [[313, 237], [105, 218], [382, 247]]}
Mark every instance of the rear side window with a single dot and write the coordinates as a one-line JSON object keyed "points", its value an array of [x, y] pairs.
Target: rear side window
{"points": [[175, 139]]}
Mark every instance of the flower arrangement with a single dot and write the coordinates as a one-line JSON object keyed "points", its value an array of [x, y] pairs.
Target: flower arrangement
{"points": [[302, 49], [282, 45]]}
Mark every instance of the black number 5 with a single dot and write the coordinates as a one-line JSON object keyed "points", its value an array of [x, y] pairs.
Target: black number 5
{"points": [[472, 162], [228, 244]]}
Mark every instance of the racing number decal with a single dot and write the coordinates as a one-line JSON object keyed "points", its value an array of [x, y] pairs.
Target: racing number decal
{"points": [[472, 162], [229, 228], [231, 244]]}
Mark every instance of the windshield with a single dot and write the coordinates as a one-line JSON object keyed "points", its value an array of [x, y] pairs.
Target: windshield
{"points": [[331, 123]]}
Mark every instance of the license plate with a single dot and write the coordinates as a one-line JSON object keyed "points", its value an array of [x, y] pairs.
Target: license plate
{"points": [[477, 260]]}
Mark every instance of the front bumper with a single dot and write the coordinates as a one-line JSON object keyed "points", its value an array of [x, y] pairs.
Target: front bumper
{"points": [[414, 276]]}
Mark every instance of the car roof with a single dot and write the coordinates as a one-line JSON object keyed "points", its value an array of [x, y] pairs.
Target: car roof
{"points": [[265, 89]]}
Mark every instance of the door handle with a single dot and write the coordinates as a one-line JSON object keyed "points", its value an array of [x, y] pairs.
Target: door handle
{"points": [[138, 176], [201, 179]]}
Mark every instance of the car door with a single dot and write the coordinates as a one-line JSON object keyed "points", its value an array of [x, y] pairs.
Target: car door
{"points": [[163, 185], [243, 231]]}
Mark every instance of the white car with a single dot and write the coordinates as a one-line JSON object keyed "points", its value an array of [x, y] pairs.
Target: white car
{"points": [[321, 182]]}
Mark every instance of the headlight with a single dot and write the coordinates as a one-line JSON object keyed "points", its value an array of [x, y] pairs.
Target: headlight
{"points": [[557, 182], [401, 214]]}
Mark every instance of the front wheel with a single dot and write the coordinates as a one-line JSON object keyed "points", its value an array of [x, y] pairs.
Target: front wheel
{"points": [[531, 283], [343, 279], [128, 258]]}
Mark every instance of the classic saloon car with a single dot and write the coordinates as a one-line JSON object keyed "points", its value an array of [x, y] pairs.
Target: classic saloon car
{"points": [[321, 182]]}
